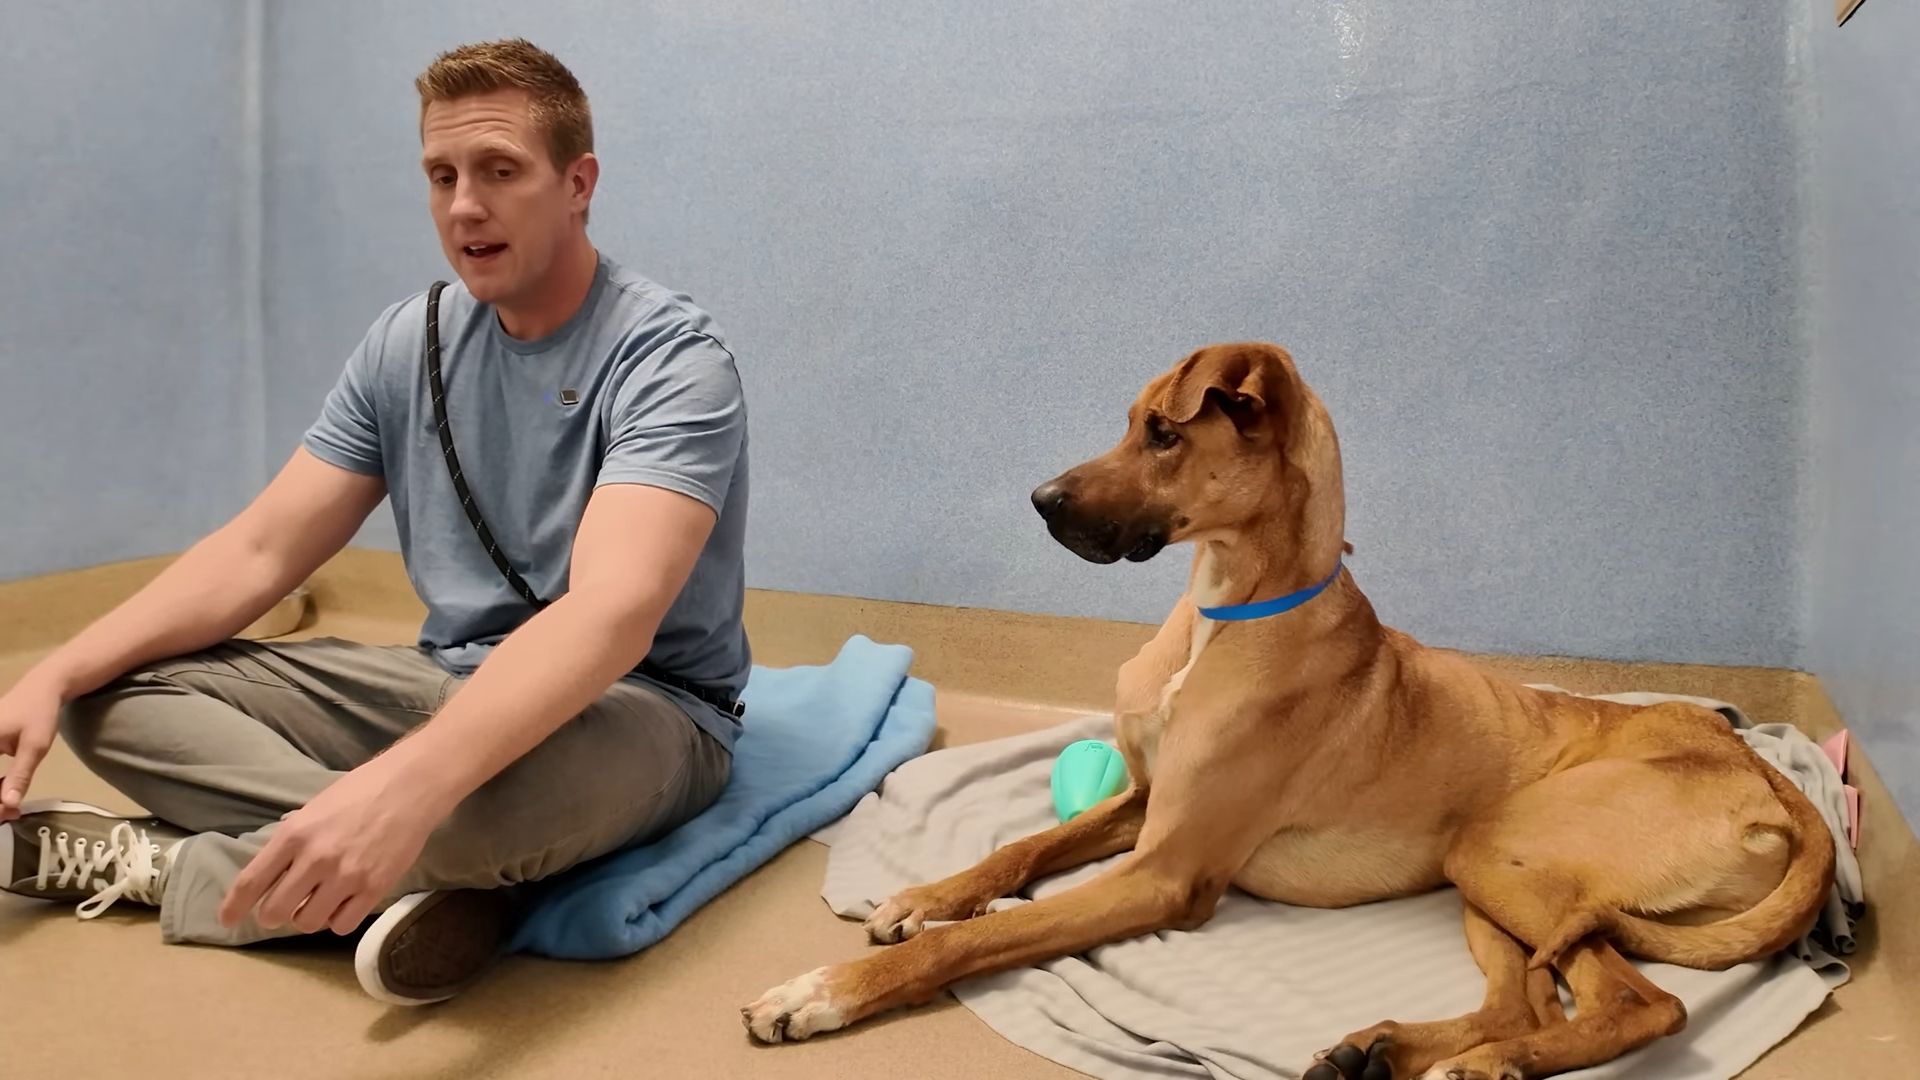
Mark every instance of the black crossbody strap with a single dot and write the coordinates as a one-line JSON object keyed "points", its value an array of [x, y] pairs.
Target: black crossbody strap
{"points": [[719, 699], [439, 394]]}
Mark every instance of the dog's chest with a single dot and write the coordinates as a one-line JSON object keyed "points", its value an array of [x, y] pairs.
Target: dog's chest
{"points": [[1149, 725]]}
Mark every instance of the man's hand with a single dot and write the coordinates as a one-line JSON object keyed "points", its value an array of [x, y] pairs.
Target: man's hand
{"points": [[331, 862], [29, 717]]}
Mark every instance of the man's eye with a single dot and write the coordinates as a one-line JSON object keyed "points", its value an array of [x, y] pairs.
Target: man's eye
{"points": [[502, 174]]}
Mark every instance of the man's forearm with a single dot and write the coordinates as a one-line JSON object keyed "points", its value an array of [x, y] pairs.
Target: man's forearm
{"points": [[210, 593], [542, 675]]}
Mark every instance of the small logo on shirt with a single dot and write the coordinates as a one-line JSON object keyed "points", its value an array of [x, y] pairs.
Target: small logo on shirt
{"points": [[567, 396]]}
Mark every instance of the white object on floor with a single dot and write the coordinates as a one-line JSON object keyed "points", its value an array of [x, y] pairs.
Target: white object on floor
{"points": [[283, 618]]}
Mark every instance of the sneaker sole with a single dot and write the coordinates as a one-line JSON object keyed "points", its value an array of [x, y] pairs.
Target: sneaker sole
{"points": [[470, 933], [366, 955]]}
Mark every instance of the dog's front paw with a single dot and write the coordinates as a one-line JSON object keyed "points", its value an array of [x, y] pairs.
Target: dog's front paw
{"points": [[900, 917], [907, 913], [794, 1010], [894, 921]]}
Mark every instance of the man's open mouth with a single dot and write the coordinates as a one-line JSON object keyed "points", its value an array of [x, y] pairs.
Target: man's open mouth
{"points": [[483, 251]]}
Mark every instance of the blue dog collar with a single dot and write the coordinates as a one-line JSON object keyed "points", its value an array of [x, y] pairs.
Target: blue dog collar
{"points": [[1278, 605]]}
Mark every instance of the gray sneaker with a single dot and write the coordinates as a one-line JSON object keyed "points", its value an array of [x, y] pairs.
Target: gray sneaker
{"points": [[73, 851]]}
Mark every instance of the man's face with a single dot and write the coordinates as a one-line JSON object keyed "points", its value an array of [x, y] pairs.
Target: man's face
{"points": [[502, 209]]}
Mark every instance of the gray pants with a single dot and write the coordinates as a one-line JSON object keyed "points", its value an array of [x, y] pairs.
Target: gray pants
{"points": [[223, 743]]}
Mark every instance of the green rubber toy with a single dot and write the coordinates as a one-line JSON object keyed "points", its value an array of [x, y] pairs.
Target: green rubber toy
{"points": [[1085, 773]]}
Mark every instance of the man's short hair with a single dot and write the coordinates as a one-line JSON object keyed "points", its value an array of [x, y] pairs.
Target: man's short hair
{"points": [[559, 105]]}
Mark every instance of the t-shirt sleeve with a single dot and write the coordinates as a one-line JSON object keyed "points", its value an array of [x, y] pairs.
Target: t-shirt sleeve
{"points": [[679, 419], [347, 431]]}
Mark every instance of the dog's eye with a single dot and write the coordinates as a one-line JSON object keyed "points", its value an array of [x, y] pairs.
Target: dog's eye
{"points": [[1160, 436]]}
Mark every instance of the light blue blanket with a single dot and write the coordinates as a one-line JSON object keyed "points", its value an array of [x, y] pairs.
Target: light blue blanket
{"points": [[816, 740]]}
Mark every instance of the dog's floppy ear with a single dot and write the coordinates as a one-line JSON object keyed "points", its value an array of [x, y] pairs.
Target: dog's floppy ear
{"points": [[1236, 376]]}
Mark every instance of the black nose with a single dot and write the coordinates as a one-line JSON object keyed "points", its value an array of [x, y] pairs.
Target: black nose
{"points": [[1049, 497]]}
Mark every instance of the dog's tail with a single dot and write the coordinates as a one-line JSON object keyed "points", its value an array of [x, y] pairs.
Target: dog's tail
{"points": [[1780, 918]]}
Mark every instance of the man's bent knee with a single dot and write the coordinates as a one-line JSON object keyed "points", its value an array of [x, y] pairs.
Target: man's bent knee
{"points": [[91, 722], [118, 721], [499, 836], [551, 811]]}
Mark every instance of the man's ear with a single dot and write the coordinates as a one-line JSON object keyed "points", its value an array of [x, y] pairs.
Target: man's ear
{"points": [[1235, 376], [583, 176]]}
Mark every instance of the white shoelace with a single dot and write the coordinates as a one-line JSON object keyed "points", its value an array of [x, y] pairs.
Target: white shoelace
{"points": [[125, 864]]}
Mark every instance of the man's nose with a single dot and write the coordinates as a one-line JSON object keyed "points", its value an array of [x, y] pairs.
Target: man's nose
{"points": [[466, 203]]}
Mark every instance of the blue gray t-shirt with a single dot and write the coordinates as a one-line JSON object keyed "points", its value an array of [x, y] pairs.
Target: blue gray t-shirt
{"points": [[637, 388]]}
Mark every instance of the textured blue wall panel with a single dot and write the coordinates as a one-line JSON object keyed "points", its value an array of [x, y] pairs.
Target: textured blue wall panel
{"points": [[1865, 638], [1540, 260], [128, 404]]}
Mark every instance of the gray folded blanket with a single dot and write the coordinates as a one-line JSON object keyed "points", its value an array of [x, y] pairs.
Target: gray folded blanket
{"points": [[1262, 986]]}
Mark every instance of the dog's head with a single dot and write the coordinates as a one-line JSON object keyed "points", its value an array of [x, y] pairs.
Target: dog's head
{"points": [[1228, 441]]}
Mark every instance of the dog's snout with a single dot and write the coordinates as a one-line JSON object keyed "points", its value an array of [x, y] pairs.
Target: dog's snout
{"points": [[1049, 498]]}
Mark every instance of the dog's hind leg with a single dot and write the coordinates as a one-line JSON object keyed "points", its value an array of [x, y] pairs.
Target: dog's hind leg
{"points": [[1533, 863], [1106, 828], [1517, 1002], [1616, 1009]]}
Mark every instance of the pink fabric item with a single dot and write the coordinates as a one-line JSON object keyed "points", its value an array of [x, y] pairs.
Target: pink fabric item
{"points": [[1836, 750]]}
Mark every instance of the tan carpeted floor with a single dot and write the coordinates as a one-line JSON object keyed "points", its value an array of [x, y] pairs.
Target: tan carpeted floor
{"points": [[80, 1000]]}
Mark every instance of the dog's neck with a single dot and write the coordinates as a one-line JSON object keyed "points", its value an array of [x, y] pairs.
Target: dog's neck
{"points": [[1227, 574], [1260, 564]]}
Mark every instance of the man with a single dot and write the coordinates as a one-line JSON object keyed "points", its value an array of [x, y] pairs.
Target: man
{"points": [[583, 706]]}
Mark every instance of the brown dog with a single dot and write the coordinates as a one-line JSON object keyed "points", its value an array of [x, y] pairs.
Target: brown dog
{"points": [[1316, 757]]}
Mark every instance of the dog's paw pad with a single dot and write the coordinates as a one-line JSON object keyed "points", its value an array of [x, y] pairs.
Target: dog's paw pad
{"points": [[1349, 1062]]}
